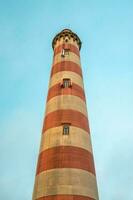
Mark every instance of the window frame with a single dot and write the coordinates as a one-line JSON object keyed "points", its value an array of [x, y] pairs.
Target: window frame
{"points": [[65, 52], [66, 129], [66, 83]]}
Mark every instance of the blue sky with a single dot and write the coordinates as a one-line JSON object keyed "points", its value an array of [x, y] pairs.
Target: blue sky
{"points": [[26, 32]]}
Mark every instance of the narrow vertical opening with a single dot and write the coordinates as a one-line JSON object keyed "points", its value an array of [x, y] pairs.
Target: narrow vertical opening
{"points": [[66, 129]]}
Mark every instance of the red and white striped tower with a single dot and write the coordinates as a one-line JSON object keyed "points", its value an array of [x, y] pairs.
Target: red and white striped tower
{"points": [[65, 169]]}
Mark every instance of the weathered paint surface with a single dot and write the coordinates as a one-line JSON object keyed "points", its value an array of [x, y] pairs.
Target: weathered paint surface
{"points": [[65, 169]]}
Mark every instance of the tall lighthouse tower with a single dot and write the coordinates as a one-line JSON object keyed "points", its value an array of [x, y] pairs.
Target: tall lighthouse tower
{"points": [[65, 169]]}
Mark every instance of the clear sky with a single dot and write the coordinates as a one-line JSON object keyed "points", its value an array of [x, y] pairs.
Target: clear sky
{"points": [[27, 28]]}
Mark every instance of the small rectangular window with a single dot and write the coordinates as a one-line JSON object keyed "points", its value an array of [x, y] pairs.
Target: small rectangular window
{"points": [[66, 129], [66, 83], [64, 52]]}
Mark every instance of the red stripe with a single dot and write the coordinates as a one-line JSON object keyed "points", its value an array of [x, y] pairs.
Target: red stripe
{"points": [[66, 66], [71, 47], [65, 157], [75, 118], [75, 90], [65, 197]]}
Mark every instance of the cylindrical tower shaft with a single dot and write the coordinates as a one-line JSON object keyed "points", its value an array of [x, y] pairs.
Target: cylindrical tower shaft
{"points": [[65, 169]]}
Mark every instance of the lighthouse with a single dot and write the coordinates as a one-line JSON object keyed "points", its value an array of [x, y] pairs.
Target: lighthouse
{"points": [[65, 168]]}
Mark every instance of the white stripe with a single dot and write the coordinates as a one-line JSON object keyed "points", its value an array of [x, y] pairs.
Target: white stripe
{"points": [[67, 181], [77, 137], [58, 77], [66, 102], [71, 57]]}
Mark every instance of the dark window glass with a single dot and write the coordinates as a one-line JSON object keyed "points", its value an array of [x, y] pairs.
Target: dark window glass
{"points": [[66, 129], [66, 83]]}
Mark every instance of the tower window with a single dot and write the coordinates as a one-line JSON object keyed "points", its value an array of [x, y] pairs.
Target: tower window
{"points": [[64, 52], [66, 83], [66, 129]]}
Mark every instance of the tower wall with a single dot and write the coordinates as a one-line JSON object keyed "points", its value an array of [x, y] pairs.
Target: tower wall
{"points": [[65, 169]]}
